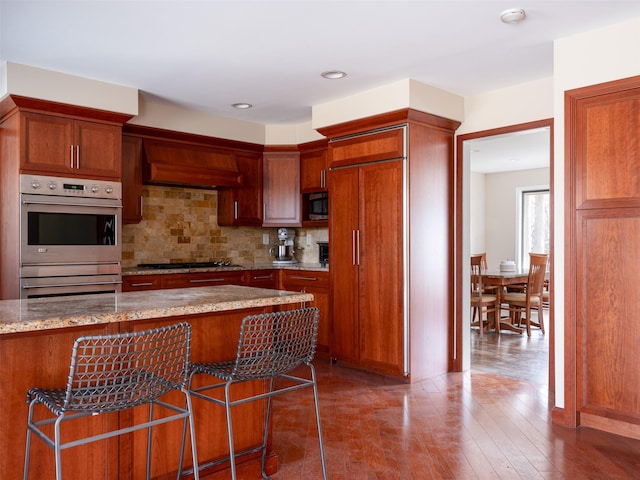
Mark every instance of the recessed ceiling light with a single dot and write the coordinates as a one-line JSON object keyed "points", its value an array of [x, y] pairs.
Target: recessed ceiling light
{"points": [[333, 74], [512, 15], [242, 106]]}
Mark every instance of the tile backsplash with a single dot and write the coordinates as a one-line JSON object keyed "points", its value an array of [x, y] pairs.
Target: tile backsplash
{"points": [[180, 225]]}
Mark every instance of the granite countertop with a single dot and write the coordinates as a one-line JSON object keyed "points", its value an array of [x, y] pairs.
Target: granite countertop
{"points": [[312, 267], [17, 316]]}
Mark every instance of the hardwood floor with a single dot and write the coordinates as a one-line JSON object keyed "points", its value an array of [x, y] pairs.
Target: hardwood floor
{"points": [[472, 425]]}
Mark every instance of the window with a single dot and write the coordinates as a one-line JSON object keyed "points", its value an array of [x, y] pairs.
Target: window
{"points": [[534, 222]]}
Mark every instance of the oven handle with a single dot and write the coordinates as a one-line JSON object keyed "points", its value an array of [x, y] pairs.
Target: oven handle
{"points": [[70, 204], [71, 284]]}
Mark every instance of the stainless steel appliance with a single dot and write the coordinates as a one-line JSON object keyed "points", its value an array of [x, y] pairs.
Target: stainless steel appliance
{"points": [[283, 252], [318, 206], [70, 239], [323, 253]]}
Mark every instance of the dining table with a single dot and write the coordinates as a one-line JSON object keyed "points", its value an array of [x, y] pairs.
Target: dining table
{"points": [[502, 279]]}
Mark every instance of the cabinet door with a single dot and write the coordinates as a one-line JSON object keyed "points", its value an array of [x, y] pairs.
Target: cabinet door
{"points": [[57, 145], [204, 279], [131, 179], [380, 266], [261, 278], [243, 206], [98, 149], [281, 189], [47, 144], [313, 171], [134, 283], [343, 205], [318, 284]]}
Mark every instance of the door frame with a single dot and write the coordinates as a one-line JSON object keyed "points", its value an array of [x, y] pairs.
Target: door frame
{"points": [[457, 340]]}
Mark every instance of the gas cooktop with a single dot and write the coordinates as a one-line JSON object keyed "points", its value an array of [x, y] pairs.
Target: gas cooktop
{"points": [[164, 266]]}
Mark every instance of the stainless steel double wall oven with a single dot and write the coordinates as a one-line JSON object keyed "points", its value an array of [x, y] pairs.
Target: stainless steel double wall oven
{"points": [[69, 236]]}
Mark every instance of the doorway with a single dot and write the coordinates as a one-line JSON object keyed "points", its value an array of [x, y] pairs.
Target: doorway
{"points": [[461, 342]]}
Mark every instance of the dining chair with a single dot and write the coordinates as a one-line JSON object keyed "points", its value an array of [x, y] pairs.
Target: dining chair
{"points": [[481, 303], [114, 373], [521, 304], [271, 346]]}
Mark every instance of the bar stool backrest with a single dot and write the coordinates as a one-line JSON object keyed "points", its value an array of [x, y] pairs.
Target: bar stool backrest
{"points": [[115, 372], [271, 344]]}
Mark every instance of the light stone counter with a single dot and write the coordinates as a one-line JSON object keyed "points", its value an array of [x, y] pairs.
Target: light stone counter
{"points": [[17, 316], [314, 267]]}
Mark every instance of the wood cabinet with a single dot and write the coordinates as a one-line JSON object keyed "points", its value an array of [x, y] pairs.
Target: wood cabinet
{"points": [[602, 382], [70, 147], [281, 189], [315, 282], [366, 239], [242, 206], [131, 179], [263, 278], [267, 278], [313, 167], [390, 231]]}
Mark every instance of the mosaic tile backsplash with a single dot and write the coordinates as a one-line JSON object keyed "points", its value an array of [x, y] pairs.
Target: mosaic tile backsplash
{"points": [[180, 225]]}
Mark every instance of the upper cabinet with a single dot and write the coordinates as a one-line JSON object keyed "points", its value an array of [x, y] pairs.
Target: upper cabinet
{"points": [[60, 145], [131, 179], [313, 167], [281, 189], [242, 206]]}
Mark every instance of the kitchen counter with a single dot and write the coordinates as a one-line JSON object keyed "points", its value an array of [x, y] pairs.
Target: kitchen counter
{"points": [[312, 267], [59, 312], [36, 336]]}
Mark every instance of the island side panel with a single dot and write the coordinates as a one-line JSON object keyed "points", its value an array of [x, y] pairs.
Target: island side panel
{"points": [[214, 338], [42, 359]]}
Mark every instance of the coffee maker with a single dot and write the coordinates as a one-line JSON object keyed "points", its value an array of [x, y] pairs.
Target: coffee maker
{"points": [[284, 250]]}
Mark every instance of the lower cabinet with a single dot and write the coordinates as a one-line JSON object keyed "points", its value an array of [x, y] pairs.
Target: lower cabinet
{"points": [[317, 283]]}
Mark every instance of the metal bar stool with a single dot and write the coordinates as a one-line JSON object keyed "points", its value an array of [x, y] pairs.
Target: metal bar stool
{"points": [[112, 373], [271, 345]]}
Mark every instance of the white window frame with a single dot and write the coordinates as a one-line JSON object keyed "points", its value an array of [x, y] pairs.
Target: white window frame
{"points": [[519, 194]]}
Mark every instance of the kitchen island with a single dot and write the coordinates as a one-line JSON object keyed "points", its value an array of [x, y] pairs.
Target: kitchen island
{"points": [[36, 337]]}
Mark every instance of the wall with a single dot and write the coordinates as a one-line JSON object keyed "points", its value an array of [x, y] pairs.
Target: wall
{"points": [[477, 243], [500, 210], [589, 58], [181, 225]]}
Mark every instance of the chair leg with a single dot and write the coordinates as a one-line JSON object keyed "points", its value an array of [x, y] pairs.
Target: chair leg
{"points": [[192, 433], [319, 426], [265, 431], [149, 442], [56, 447], [27, 452], [227, 406]]}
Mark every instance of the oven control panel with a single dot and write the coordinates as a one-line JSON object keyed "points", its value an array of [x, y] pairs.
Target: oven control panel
{"points": [[70, 187]]}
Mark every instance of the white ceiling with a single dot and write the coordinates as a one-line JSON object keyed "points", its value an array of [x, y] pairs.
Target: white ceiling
{"points": [[207, 55], [513, 151]]}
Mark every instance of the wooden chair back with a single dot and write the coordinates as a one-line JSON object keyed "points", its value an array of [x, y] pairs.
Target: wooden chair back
{"points": [[537, 270]]}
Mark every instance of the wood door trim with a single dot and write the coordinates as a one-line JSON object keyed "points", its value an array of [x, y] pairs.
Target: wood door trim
{"points": [[455, 363]]}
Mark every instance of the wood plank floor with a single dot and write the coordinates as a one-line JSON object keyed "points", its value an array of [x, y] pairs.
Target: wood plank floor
{"points": [[480, 424]]}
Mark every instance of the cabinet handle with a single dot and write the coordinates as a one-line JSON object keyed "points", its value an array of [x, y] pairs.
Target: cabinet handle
{"points": [[203, 280], [235, 210], [78, 156], [71, 157], [263, 277], [355, 240], [143, 284], [311, 279], [264, 211]]}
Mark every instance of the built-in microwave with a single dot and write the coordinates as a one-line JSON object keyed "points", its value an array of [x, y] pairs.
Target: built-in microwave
{"points": [[318, 206]]}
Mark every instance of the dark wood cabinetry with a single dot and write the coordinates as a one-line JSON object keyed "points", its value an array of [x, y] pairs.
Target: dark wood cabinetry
{"points": [[281, 189], [261, 278], [313, 167], [131, 179], [390, 231], [317, 283], [242, 206], [70, 147], [602, 337]]}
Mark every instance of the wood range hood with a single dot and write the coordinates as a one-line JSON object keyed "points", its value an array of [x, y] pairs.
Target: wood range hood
{"points": [[183, 164]]}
